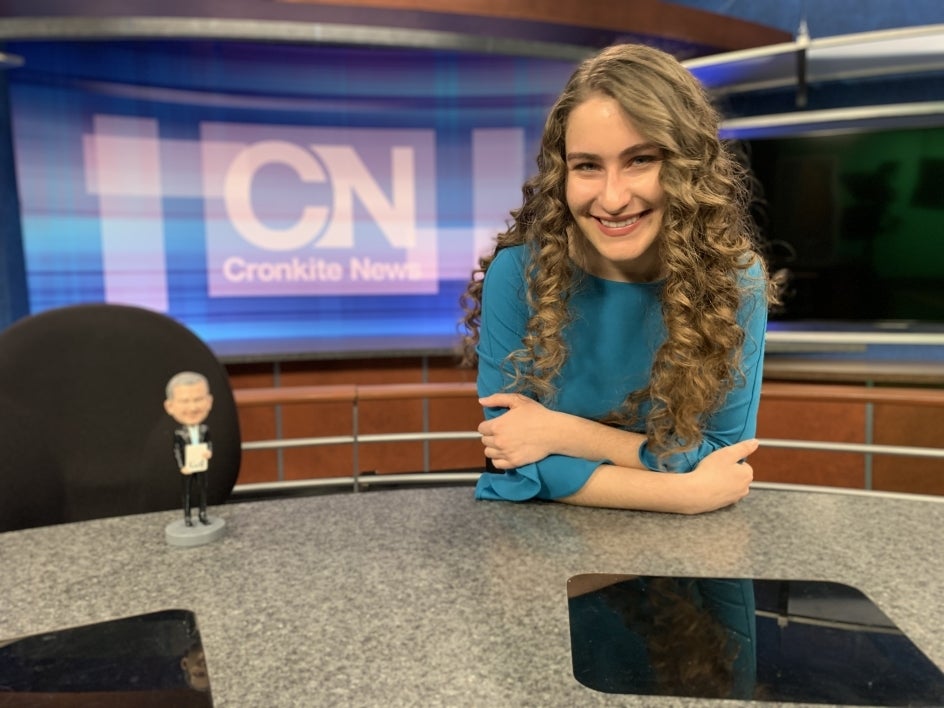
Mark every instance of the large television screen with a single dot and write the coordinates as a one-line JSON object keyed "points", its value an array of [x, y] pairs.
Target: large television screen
{"points": [[857, 218], [277, 199]]}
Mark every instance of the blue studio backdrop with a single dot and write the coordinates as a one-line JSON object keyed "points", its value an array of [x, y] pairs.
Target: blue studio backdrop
{"points": [[271, 197]]}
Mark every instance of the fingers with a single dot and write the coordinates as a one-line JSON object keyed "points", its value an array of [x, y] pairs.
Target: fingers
{"points": [[498, 462], [747, 476], [749, 471], [501, 464], [501, 400], [737, 451], [494, 454], [750, 446]]}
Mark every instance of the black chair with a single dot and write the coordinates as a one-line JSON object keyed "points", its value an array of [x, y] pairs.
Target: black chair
{"points": [[83, 430]]}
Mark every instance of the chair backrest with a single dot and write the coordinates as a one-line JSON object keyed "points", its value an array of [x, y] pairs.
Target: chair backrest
{"points": [[84, 430]]}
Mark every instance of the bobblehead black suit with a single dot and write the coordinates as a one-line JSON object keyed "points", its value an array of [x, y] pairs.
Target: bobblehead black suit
{"points": [[182, 438]]}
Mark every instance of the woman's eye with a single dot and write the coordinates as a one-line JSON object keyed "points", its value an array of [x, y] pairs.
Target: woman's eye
{"points": [[644, 160]]}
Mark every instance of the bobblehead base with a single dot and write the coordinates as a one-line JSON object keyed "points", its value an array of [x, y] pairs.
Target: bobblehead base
{"points": [[178, 533]]}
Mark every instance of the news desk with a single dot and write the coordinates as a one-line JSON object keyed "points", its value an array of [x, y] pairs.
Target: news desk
{"points": [[426, 597]]}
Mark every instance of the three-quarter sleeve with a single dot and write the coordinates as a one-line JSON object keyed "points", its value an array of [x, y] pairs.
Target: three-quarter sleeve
{"points": [[503, 324], [736, 419]]}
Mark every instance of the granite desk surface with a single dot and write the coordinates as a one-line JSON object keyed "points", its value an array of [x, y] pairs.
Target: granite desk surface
{"points": [[425, 597]]}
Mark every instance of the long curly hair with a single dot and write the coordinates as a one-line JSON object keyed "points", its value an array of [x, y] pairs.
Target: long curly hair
{"points": [[706, 243], [689, 647]]}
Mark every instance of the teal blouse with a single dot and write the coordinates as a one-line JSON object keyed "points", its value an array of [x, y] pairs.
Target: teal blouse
{"points": [[616, 329]]}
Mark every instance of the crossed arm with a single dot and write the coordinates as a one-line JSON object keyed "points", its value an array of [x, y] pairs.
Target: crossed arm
{"points": [[529, 432], [519, 431]]}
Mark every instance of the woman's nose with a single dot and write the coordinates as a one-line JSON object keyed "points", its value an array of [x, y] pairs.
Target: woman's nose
{"points": [[616, 193]]}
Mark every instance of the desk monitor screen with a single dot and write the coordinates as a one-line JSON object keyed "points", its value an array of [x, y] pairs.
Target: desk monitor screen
{"points": [[154, 659], [767, 640]]}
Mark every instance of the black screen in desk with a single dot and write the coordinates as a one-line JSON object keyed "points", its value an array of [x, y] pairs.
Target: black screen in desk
{"points": [[151, 660], [771, 640]]}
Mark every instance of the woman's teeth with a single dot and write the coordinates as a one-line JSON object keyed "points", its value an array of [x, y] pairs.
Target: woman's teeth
{"points": [[619, 224]]}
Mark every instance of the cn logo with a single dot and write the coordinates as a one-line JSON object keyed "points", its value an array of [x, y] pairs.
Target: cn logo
{"points": [[323, 225], [299, 210]]}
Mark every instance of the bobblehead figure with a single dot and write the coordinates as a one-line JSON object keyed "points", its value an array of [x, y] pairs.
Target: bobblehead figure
{"points": [[189, 402]]}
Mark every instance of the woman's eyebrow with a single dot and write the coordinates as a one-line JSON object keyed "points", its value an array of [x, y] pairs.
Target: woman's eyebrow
{"points": [[582, 156], [641, 147], [631, 150]]}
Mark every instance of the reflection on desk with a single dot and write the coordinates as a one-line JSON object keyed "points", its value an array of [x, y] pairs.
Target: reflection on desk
{"points": [[155, 660], [773, 640], [427, 597]]}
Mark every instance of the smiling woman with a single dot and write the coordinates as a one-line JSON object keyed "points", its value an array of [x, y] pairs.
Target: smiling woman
{"points": [[613, 192], [618, 325]]}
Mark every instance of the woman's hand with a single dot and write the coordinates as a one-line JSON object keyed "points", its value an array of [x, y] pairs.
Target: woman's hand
{"points": [[721, 478], [521, 435]]}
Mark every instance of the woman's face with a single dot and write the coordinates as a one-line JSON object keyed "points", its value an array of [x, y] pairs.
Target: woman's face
{"points": [[613, 191]]}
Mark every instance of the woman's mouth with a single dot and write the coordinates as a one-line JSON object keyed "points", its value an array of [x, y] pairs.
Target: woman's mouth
{"points": [[621, 226]]}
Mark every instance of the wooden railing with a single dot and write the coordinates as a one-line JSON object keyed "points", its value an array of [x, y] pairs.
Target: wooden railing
{"points": [[852, 394], [355, 394], [869, 397]]}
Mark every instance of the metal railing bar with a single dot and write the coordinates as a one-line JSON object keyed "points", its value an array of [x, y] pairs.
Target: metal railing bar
{"points": [[417, 478], [864, 448], [298, 442], [414, 437], [291, 485], [350, 439]]}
